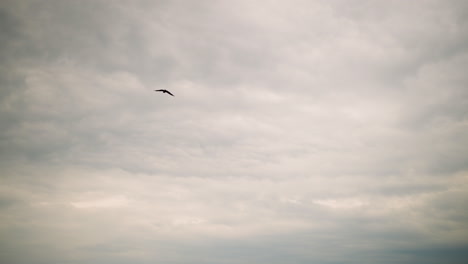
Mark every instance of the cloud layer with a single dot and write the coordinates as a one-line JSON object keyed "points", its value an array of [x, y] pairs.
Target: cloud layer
{"points": [[300, 132]]}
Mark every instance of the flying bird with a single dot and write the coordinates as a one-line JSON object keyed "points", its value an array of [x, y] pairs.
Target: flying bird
{"points": [[164, 91]]}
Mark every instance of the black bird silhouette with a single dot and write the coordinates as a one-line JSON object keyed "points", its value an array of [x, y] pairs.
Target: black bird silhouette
{"points": [[164, 91]]}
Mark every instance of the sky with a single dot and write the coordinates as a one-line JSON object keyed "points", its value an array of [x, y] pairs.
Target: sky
{"points": [[301, 132]]}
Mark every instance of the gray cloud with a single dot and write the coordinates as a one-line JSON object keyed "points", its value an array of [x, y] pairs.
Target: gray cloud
{"points": [[306, 131]]}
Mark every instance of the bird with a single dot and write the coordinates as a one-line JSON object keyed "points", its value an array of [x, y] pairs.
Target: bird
{"points": [[164, 91]]}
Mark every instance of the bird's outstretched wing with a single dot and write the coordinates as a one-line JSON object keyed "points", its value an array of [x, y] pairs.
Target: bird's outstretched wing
{"points": [[169, 93], [164, 91]]}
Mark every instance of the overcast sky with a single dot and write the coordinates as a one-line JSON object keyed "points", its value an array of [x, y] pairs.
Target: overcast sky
{"points": [[301, 132]]}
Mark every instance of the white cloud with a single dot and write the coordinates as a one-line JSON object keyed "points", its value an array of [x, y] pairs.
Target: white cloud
{"points": [[303, 131]]}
